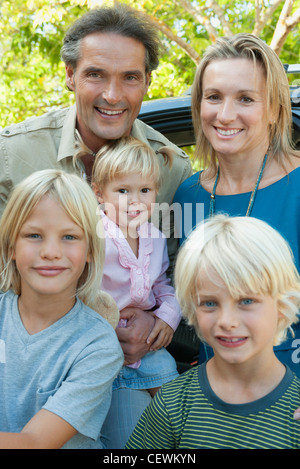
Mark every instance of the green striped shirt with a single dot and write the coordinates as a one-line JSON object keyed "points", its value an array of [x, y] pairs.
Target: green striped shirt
{"points": [[186, 413]]}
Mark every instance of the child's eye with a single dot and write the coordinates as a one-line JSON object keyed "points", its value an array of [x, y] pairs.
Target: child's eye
{"points": [[145, 190], [33, 236], [246, 301], [69, 237], [208, 304], [123, 191]]}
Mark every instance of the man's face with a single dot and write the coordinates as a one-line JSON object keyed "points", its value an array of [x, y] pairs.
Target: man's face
{"points": [[110, 83]]}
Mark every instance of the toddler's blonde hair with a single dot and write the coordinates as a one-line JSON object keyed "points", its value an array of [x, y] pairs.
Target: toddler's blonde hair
{"points": [[126, 156]]}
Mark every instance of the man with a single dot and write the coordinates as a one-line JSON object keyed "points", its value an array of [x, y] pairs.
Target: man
{"points": [[109, 55]]}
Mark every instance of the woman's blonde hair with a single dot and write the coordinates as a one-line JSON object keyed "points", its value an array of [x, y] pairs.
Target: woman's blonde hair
{"points": [[278, 103], [78, 201], [124, 156], [249, 256]]}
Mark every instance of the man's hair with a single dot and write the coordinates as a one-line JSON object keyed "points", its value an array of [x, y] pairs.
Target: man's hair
{"points": [[78, 201], [249, 256], [119, 19]]}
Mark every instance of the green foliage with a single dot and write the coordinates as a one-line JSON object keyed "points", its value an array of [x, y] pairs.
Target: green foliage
{"points": [[32, 74], [31, 33]]}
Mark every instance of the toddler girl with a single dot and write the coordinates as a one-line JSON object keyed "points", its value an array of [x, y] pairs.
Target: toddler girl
{"points": [[125, 180]]}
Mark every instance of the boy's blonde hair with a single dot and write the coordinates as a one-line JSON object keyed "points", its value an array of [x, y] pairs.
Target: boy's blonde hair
{"points": [[249, 256], [124, 156], [78, 201]]}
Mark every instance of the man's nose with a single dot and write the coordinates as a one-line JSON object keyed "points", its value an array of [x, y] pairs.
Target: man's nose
{"points": [[113, 92]]}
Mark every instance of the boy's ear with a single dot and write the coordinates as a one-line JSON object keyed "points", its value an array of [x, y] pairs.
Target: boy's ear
{"points": [[97, 193]]}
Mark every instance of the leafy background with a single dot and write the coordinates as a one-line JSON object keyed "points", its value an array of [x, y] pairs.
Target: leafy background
{"points": [[31, 33]]}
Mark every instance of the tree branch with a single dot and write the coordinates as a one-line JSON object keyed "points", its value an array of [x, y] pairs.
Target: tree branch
{"points": [[284, 25], [263, 15], [173, 37], [204, 20], [221, 17]]}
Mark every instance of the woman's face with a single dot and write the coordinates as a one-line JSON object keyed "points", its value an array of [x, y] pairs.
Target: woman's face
{"points": [[234, 107]]}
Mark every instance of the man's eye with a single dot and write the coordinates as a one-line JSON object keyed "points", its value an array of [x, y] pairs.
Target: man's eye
{"points": [[94, 75]]}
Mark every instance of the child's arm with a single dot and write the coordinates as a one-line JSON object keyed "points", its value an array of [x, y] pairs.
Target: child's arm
{"points": [[44, 431], [160, 336], [168, 312]]}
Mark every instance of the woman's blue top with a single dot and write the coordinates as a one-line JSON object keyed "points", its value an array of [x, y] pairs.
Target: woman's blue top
{"points": [[278, 204]]}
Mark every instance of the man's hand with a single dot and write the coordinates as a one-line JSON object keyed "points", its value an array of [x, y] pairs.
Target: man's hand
{"points": [[133, 338]]}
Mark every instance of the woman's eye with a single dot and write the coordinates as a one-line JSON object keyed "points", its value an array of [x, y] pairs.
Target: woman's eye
{"points": [[213, 97], [246, 99]]}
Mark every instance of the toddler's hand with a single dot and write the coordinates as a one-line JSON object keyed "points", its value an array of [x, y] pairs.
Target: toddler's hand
{"points": [[297, 414], [160, 336]]}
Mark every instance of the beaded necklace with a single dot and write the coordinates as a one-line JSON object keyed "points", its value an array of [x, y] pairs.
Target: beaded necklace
{"points": [[253, 195]]}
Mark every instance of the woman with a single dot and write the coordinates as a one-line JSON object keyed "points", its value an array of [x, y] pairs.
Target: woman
{"points": [[242, 118]]}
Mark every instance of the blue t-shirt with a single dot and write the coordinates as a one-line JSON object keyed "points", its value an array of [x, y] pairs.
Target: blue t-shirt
{"points": [[67, 369], [277, 204]]}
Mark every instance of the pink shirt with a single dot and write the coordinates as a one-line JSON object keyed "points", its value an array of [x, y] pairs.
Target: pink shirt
{"points": [[139, 281]]}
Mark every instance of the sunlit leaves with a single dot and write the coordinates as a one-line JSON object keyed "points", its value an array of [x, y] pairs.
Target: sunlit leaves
{"points": [[31, 34]]}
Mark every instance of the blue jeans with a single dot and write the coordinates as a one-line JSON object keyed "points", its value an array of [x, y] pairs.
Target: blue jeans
{"points": [[130, 396], [156, 369], [127, 406]]}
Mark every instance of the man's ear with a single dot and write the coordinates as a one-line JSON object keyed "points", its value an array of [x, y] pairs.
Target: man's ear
{"points": [[97, 193], [148, 82], [70, 81]]}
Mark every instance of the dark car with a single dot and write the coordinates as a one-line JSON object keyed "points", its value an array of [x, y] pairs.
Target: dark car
{"points": [[173, 118]]}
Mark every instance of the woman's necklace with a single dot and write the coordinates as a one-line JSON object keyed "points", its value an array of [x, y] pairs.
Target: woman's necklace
{"points": [[253, 195]]}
